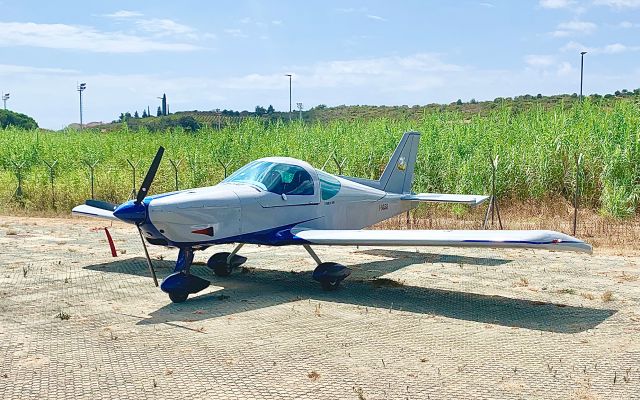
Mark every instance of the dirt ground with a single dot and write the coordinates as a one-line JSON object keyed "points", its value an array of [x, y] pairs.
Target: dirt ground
{"points": [[429, 323]]}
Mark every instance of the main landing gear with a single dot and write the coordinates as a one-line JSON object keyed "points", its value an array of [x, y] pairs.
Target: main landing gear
{"points": [[180, 284], [329, 274], [223, 264]]}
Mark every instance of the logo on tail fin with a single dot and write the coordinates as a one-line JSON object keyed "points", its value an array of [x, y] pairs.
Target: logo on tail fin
{"points": [[402, 164]]}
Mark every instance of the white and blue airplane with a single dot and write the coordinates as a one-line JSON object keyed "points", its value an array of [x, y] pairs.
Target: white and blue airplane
{"points": [[281, 201]]}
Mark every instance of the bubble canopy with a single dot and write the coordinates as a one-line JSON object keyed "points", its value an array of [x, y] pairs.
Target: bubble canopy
{"points": [[274, 177]]}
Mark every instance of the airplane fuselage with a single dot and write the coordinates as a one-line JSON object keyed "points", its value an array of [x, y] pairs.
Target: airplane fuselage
{"points": [[243, 212]]}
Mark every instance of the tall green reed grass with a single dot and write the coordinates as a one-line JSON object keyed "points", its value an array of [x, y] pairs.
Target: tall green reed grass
{"points": [[536, 148]]}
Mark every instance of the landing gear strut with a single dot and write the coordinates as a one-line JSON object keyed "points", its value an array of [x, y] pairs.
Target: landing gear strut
{"points": [[180, 284], [223, 264], [329, 274]]}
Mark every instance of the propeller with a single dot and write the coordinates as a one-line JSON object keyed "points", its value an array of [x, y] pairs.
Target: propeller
{"points": [[142, 193], [146, 183], [103, 205]]}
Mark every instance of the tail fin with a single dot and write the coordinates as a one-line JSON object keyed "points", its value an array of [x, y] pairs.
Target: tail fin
{"points": [[397, 176]]}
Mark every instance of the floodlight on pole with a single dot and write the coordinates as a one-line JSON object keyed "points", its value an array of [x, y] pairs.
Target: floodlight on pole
{"points": [[289, 75], [300, 109], [5, 97], [81, 88], [582, 53]]}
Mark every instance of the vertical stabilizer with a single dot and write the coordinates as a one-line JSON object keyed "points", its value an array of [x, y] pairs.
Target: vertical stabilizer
{"points": [[398, 174]]}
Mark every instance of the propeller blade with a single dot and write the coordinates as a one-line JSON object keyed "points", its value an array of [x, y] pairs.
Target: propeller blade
{"points": [[103, 205], [146, 253], [144, 189]]}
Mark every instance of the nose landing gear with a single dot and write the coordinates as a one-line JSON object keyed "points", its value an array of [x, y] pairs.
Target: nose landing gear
{"points": [[180, 284]]}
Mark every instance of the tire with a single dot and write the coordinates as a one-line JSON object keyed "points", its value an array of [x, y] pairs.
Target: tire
{"points": [[222, 270], [178, 297], [329, 286]]}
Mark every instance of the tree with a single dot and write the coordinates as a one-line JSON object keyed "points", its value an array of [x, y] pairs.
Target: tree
{"points": [[11, 118], [270, 110], [159, 113], [144, 114], [459, 102], [260, 110], [136, 115], [189, 123]]}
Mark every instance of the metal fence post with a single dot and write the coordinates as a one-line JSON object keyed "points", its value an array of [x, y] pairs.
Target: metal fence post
{"points": [[339, 165], [175, 166], [133, 168], [225, 166], [18, 170], [576, 194], [52, 172], [493, 207], [91, 169]]}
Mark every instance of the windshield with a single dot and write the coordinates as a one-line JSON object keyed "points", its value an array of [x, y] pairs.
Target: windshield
{"points": [[274, 177]]}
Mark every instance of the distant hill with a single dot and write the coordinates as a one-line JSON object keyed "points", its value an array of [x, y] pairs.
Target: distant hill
{"points": [[193, 120]]}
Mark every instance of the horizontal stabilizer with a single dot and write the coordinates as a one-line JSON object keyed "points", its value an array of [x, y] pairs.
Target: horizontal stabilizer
{"points": [[94, 212], [469, 199], [548, 240]]}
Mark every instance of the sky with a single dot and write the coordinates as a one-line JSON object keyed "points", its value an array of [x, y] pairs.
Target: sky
{"points": [[235, 54]]}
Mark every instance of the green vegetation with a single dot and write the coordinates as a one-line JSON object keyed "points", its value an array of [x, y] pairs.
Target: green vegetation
{"points": [[537, 147], [10, 118]]}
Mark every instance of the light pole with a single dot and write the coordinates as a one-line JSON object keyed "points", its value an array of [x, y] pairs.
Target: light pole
{"points": [[289, 75], [5, 97], [81, 88], [582, 53]]}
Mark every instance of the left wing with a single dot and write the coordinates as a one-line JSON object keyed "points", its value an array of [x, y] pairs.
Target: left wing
{"points": [[94, 212], [548, 240], [469, 199]]}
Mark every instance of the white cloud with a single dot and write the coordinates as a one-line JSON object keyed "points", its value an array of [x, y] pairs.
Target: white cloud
{"points": [[565, 68], [625, 25], [376, 17], [239, 33], [9, 69], [123, 14], [415, 72], [276, 22], [547, 65], [487, 5], [556, 3], [84, 38], [163, 26], [539, 61], [614, 48], [618, 3], [575, 27]]}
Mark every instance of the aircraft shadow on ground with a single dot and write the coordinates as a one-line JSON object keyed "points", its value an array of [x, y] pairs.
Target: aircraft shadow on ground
{"points": [[261, 288]]}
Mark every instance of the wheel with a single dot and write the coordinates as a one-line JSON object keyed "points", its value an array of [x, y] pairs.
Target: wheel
{"points": [[329, 285], [178, 297], [222, 269]]}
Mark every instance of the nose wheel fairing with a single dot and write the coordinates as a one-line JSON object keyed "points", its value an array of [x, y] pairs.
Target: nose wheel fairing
{"points": [[180, 284]]}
